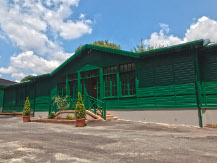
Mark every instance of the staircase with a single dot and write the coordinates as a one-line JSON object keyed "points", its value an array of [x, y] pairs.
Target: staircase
{"points": [[110, 117], [97, 108]]}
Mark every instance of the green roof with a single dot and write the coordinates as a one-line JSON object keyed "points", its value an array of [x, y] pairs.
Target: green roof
{"points": [[17, 84], [39, 76], [94, 47], [198, 43]]}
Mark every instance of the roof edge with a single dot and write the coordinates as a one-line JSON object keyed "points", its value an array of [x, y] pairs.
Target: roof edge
{"points": [[198, 43], [187, 44]]}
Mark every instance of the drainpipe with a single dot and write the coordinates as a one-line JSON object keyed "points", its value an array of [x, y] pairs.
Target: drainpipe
{"points": [[34, 98], [198, 86]]}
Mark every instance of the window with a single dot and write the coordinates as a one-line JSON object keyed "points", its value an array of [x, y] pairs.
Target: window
{"points": [[110, 70], [127, 79], [127, 67], [73, 87], [110, 85], [61, 89], [110, 81]]}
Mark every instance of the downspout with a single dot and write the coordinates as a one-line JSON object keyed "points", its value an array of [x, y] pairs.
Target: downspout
{"points": [[34, 98], [198, 86], [3, 100]]}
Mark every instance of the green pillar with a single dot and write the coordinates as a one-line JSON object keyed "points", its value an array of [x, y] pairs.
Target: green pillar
{"points": [[198, 86], [79, 82], [118, 83], [101, 84], [67, 86], [34, 98]]}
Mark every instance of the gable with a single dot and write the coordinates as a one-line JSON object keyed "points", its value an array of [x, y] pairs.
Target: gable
{"points": [[89, 67]]}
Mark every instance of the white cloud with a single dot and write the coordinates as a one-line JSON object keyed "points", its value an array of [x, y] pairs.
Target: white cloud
{"points": [[204, 28], [161, 38], [29, 63], [8, 70], [35, 27]]}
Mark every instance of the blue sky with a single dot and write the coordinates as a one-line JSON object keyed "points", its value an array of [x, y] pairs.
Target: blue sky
{"points": [[37, 36]]}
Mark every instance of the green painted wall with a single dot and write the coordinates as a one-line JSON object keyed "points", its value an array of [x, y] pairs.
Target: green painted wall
{"points": [[1, 98], [208, 77], [162, 81]]}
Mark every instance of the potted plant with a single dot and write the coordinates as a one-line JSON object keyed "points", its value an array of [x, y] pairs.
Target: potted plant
{"points": [[80, 112], [26, 111]]}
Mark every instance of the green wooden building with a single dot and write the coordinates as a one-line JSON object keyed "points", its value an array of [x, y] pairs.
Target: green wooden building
{"points": [[176, 84]]}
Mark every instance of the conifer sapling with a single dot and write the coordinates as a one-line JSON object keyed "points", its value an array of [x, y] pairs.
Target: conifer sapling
{"points": [[27, 109], [80, 111]]}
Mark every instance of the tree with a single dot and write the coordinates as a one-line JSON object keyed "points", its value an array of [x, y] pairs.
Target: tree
{"points": [[102, 43], [80, 111], [142, 48], [26, 78], [27, 109]]}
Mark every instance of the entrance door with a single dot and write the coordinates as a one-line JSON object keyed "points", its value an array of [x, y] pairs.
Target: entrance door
{"points": [[90, 83], [91, 86]]}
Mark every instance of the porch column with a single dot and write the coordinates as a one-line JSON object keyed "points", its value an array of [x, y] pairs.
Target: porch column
{"points": [[79, 82], [101, 83], [67, 86]]}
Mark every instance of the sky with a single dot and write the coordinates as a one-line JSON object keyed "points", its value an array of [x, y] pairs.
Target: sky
{"points": [[36, 36]]}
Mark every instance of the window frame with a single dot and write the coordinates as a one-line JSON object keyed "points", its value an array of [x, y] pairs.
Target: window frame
{"points": [[127, 73]]}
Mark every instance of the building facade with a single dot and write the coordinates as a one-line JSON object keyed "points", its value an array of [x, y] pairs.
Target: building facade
{"points": [[176, 84]]}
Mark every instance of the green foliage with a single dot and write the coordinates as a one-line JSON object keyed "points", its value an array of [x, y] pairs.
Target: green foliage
{"points": [[27, 109], [52, 115], [40, 116], [62, 103], [26, 78], [80, 111], [58, 117], [70, 117], [142, 48], [13, 112], [102, 43]]}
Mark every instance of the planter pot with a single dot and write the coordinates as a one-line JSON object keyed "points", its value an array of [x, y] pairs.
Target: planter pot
{"points": [[26, 119], [80, 122]]}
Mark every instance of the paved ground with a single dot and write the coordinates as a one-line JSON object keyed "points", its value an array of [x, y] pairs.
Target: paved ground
{"points": [[114, 141]]}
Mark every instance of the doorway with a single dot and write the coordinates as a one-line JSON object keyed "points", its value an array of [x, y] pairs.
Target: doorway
{"points": [[91, 86]]}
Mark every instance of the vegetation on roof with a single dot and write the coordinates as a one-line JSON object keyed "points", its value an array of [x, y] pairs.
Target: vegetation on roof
{"points": [[142, 48], [102, 43], [26, 78]]}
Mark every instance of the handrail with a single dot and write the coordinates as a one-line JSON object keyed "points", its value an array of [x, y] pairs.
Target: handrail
{"points": [[95, 105]]}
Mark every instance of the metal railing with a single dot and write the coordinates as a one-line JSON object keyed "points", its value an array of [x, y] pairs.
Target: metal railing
{"points": [[95, 105]]}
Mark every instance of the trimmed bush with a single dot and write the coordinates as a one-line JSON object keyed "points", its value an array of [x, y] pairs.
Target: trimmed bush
{"points": [[70, 117], [58, 117], [80, 111], [51, 116], [27, 109]]}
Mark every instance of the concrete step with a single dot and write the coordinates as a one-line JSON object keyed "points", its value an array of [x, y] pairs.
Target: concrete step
{"points": [[111, 118], [107, 116]]}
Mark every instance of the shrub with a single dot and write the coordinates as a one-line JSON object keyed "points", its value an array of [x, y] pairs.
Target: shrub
{"points": [[27, 109], [51, 116], [58, 117], [61, 102], [70, 117], [80, 111]]}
